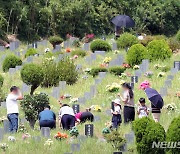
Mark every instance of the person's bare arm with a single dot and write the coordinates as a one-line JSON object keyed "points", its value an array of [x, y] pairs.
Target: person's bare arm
{"points": [[20, 96]]}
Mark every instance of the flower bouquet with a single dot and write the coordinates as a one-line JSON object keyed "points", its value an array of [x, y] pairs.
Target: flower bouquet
{"points": [[107, 60], [96, 108], [161, 74], [49, 142], [126, 65], [4, 146], [59, 136], [74, 132], [148, 74], [136, 67], [106, 131], [22, 128], [171, 107], [104, 65], [114, 87], [68, 50], [73, 100], [26, 136]]}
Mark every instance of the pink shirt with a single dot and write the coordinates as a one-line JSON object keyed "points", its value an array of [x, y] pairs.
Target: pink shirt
{"points": [[78, 115]]}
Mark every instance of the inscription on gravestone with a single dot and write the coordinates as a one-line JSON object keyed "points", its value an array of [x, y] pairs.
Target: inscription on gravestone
{"points": [[75, 147], [177, 65], [45, 132], [134, 79], [76, 108], [89, 130]]}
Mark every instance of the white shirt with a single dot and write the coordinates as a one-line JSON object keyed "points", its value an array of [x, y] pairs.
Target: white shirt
{"points": [[117, 109], [130, 101], [142, 112], [12, 104], [66, 110]]}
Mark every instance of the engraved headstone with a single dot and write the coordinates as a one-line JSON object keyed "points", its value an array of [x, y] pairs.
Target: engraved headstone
{"points": [[76, 108], [1, 134], [82, 100], [6, 126], [134, 79], [89, 129], [102, 53], [86, 47], [75, 147], [45, 132], [114, 46], [163, 91], [62, 85], [177, 65]]}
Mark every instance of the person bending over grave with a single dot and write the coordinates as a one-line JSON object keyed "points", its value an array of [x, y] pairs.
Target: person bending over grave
{"points": [[82, 117], [142, 110], [47, 118], [116, 112], [128, 99], [155, 98], [12, 108], [66, 117]]}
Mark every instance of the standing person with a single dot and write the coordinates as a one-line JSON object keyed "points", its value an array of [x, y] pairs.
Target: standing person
{"points": [[116, 118], [155, 98], [128, 99], [142, 108], [47, 118], [82, 117], [67, 117], [12, 108], [117, 32]]}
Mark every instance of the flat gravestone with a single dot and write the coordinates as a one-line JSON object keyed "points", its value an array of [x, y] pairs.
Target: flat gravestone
{"points": [[82, 138], [138, 73], [97, 118], [75, 147], [102, 74], [134, 79], [129, 137], [6, 126], [62, 85], [93, 90], [3, 104], [170, 77], [97, 81], [168, 83], [82, 100], [76, 108], [102, 53], [89, 130], [45, 132], [163, 91], [86, 47], [12, 71], [37, 138], [1, 134], [87, 95], [114, 46], [108, 112], [177, 65]]}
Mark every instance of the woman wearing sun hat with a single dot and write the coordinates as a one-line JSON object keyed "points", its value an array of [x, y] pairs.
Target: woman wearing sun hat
{"points": [[155, 98]]}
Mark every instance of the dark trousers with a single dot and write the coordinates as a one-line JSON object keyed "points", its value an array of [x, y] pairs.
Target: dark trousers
{"points": [[116, 121], [13, 122], [87, 116], [129, 114], [68, 121], [47, 123]]}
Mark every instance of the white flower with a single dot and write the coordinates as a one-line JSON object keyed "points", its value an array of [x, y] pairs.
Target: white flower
{"points": [[136, 67], [47, 50], [87, 70], [161, 74], [49, 142], [11, 138]]}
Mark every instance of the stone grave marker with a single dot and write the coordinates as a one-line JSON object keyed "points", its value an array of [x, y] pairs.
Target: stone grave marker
{"points": [[174, 71], [170, 77], [37, 138], [1, 134], [82, 100], [25, 88], [56, 92], [58, 48], [102, 74], [29, 59], [6, 126], [62, 85], [88, 60], [76, 108], [93, 56], [102, 53], [34, 45], [114, 46], [86, 46], [108, 112], [177, 65], [3, 104], [23, 121], [18, 68], [2, 48], [97, 81], [163, 91], [14, 45], [97, 118], [138, 73], [45, 132], [75, 147], [82, 138], [93, 90], [89, 130], [12, 71], [129, 137], [87, 95], [134, 79], [168, 83], [66, 44]]}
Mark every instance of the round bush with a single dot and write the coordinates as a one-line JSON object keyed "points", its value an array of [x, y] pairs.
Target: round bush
{"points": [[79, 52], [55, 40], [100, 45], [136, 54], [174, 44], [51, 74], [117, 70], [173, 134], [126, 40], [11, 61], [95, 71], [178, 36], [32, 74], [30, 52], [147, 131], [158, 50], [1, 80], [67, 71]]}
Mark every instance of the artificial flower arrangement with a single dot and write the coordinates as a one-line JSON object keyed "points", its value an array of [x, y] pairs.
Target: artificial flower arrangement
{"points": [[171, 107], [161, 74], [126, 65], [107, 60], [107, 129], [59, 136], [103, 65], [68, 50], [26, 136], [11, 139], [136, 67], [49, 142], [114, 87], [123, 76], [148, 74], [22, 128], [74, 132], [4, 146], [47, 50], [73, 100], [96, 108], [87, 70]]}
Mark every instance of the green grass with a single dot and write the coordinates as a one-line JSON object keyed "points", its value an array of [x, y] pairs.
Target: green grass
{"points": [[103, 98]]}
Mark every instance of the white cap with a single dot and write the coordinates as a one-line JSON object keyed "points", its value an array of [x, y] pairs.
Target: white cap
{"points": [[117, 101]]}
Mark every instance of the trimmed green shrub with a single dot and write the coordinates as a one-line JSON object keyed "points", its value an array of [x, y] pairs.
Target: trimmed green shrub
{"points": [[11, 61], [126, 40], [173, 43], [32, 105], [147, 131], [79, 52], [55, 40], [67, 71], [95, 71], [173, 134], [32, 74], [136, 54], [158, 50], [1, 80], [146, 40], [100, 45], [30, 52], [51, 73], [178, 36], [117, 70]]}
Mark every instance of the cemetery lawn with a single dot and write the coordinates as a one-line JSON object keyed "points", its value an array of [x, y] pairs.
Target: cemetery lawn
{"points": [[94, 145]]}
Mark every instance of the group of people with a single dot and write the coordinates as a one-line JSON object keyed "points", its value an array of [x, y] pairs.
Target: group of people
{"points": [[128, 103], [68, 119]]}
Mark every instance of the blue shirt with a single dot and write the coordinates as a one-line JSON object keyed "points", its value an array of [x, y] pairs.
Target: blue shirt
{"points": [[47, 115]]}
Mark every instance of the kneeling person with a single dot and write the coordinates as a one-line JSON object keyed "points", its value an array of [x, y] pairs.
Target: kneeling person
{"points": [[47, 118]]}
